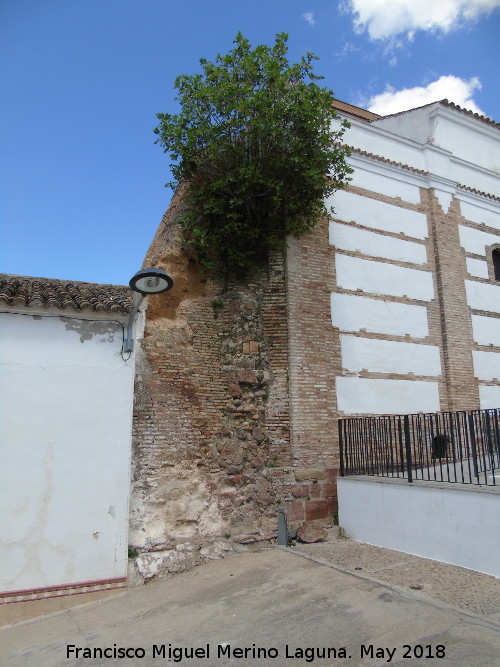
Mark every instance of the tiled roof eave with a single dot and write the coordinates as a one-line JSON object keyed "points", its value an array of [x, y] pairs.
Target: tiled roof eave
{"points": [[421, 172], [444, 103], [393, 163], [475, 191], [68, 297]]}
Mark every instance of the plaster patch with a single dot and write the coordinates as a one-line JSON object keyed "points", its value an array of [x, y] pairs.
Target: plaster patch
{"points": [[486, 330], [444, 199], [391, 187], [480, 215], [482, 296], [474, 241], [477, 267], [346, 237], [383, 278], [357, 313], [377, 214], [369, 396], [486, 365], [489, 397], [385, 356]]}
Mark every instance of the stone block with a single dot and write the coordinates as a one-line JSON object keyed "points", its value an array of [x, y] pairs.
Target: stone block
{"points": [[310, 474], [333, 505], [331, 474], [237, 480], [311, 532], [245, 376], [295, 511], [315, 490], [329, 490], [316, 509], [300, 491]]}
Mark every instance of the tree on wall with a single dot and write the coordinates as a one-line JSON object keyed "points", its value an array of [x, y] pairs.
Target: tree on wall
{"points": [[254, 143]]}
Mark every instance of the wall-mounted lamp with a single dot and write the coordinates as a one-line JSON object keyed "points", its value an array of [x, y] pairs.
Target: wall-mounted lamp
{"points": [[145, 281]]}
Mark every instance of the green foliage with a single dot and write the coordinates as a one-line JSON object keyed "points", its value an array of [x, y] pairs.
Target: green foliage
{"points": [[217, 306], [253, 141]]}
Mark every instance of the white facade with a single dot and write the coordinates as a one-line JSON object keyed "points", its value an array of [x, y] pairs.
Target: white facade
{"points": [[66, 398], [454, 523], [391, 262]]}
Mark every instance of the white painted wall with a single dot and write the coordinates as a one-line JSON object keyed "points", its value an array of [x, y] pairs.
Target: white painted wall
{"points": [[66, 399], [357, 396], [358, 313], [387, 356], [347, 237], [444, 197], [446, 522], [438, 127], [383, 278], [393, 186], [480, 214], [473, 141], [486, 365], [482, 296], [477, 267], [415, 125], [489, 397], [475, 241], [373, 138], [486, 330], [377, 214]]}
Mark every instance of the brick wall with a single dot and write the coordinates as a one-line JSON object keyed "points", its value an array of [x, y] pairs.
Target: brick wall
{"points": [[459, 388], [236, 397], [211, 418]]}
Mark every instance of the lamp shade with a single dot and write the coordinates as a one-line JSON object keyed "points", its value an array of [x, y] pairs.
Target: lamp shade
{"points": [[151, 281]]}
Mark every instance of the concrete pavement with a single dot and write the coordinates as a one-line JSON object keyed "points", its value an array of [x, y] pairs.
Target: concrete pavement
{"points": [[279, 607]]}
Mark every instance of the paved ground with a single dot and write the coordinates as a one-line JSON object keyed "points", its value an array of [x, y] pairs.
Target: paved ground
{"points": [[281, 598], [453, 586]]}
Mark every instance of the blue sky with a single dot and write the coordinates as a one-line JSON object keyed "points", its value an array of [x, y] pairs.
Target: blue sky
{"points": [[82, 182]]}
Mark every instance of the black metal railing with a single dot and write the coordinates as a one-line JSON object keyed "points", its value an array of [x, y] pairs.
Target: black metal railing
{"points": [[460, 447]]}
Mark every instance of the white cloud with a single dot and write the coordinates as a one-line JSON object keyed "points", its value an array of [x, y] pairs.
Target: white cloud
{"points": [[346, 50], [456, 90], [309, 17], [385, 19]]}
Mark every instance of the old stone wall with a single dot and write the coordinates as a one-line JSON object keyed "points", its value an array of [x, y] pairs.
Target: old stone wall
{"points": [[211, 417], [389, 307]]}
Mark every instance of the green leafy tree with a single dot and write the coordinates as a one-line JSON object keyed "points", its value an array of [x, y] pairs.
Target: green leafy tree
{"points": [[255, 146]]}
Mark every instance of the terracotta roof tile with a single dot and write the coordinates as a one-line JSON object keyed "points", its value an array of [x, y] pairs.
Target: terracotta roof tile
{"points": [[354, 112], [47, 293], [387, 161], [479, 192], [485, 119]]}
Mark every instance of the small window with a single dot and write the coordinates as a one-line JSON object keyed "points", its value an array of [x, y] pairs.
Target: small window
{"points": [[495, 256]]}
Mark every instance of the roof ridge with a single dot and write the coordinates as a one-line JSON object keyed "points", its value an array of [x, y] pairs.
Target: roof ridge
{"points": [[400, 113], [479, 116], [444, 102]]}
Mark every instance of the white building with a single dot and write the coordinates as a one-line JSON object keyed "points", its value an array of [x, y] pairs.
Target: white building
{"points": [[66, 395]]}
